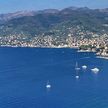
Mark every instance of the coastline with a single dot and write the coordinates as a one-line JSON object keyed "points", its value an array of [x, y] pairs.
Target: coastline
{"points": [[103, 57], [97, 55], [85, 51], [10, 46]]}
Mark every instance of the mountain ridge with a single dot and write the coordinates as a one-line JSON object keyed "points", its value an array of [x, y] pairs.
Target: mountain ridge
{"points": [[17, 14], [57, 22]]}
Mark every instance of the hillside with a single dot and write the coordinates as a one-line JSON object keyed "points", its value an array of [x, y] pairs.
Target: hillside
{"points": [[72, 20]]}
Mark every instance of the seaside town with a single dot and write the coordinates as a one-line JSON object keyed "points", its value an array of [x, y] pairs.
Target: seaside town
{"points": [[98, 44], [57, 29]]}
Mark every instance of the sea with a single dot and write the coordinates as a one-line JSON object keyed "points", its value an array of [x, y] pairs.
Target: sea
{"points": [[25, 72]]}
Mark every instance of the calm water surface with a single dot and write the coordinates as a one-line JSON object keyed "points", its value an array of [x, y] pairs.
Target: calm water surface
{"points": [[24, 73]]}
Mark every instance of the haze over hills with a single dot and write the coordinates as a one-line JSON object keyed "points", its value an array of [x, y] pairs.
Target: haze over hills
{"points": [[71, 20], [9, 16]]}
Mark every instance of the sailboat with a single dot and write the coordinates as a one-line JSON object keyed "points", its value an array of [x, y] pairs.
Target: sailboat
{"points": [[77, 69], [48, 85], [77, 77]]}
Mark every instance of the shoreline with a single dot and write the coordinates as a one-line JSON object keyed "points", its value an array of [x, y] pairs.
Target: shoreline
{"points": [[8, 46], [85, 51], [103, 57]]}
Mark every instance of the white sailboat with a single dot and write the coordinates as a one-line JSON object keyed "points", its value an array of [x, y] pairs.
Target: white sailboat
{"points": [[77, 77], [77, 70], [48, 85]]}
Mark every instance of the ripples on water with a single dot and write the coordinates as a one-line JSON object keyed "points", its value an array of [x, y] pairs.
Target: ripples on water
{"points": [[25, 71]]}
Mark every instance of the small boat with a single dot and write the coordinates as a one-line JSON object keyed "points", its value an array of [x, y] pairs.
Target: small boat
{"points": [[95, 70], [77, 77], [77, 71], [84, 67], [48, 85]]}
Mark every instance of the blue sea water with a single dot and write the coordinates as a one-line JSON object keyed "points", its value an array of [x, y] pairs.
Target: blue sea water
{"points": [[24, 73]]}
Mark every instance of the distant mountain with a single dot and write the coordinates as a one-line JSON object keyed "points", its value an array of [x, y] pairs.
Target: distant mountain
{"points": [[51, 11], [103, 10], [72, 20], [76, 9], [9, 16]]}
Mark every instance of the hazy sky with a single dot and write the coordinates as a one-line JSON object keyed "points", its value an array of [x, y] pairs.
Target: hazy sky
{"points": [[17, 5]]}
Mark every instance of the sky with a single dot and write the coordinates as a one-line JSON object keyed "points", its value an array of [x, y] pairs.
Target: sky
{"points": [[8, 6]]}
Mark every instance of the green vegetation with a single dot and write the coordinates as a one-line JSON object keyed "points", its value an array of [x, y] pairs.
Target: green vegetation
{"points": [[85, 47]]}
